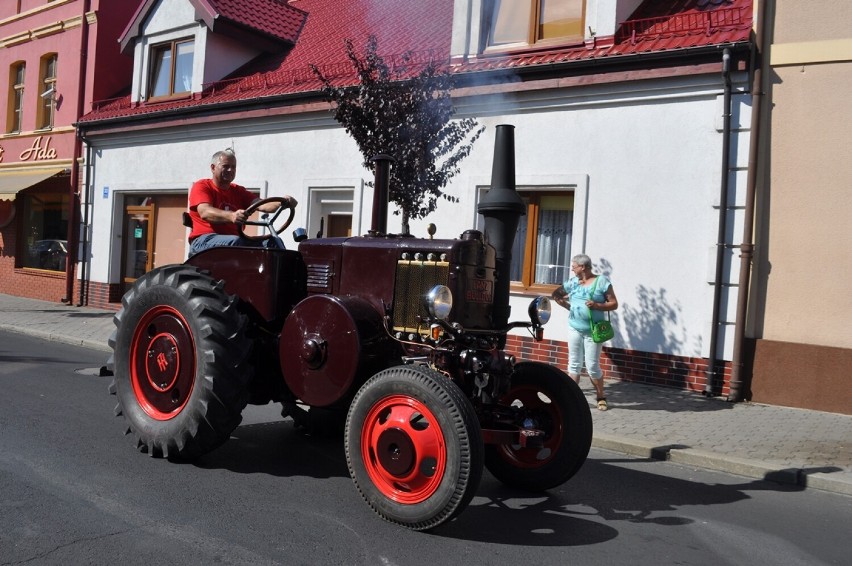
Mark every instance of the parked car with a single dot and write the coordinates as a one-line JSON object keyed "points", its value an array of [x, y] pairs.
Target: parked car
{"points": [[49, 254]]}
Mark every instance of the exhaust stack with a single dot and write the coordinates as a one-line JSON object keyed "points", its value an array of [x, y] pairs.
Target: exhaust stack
{"points": [[381, 194], [502, 208]]}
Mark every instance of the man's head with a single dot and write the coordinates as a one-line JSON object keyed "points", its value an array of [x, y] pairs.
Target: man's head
{"points": [[223, 166]]}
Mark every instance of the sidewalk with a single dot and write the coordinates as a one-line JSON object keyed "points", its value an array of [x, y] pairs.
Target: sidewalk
{"points": [[809, 449]]}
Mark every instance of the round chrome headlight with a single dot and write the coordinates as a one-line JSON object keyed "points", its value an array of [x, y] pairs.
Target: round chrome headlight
{"points": [[539, 310], [439, 302]]}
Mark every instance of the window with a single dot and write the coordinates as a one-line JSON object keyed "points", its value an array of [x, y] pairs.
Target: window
{"points": [[516, 23], [171, 68], [47, 108], [45, 226], [542, 251], [16, 98]]}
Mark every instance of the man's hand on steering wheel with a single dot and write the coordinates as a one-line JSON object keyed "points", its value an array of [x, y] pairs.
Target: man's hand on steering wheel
{"points": [[268, 222]]}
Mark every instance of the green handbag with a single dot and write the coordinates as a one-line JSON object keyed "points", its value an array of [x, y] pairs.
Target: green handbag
{"points": [[601, 330]]}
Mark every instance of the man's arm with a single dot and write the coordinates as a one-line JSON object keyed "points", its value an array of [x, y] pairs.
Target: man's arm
{"points": [[213, 215]]}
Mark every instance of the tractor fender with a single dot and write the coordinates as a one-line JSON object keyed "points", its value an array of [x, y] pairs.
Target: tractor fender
{"points": [[329, 346]]}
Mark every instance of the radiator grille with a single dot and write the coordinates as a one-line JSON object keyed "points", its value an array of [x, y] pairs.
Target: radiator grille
{"points": [[413, 280]]}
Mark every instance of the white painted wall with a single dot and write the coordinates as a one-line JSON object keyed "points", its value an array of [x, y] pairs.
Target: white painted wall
{"points": [[647, 154]]}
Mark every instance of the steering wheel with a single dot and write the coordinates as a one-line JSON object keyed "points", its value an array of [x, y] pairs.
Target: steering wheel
{"points": [[269, 222]]}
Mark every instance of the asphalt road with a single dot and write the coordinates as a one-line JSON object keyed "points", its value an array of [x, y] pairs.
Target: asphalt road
{"points": [[73, 490]]}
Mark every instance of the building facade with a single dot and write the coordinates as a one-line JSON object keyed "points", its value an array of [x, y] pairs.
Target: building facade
{"points": [[798, 302], [632, 134], [48, 53]]}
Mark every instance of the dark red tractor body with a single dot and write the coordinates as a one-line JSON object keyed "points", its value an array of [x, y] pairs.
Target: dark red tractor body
{"points": [[402, 337]]}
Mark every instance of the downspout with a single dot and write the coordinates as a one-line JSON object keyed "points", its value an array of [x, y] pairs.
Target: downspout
{"points": [[747, 247], [84, 244], [710, 378], [74, 204]]}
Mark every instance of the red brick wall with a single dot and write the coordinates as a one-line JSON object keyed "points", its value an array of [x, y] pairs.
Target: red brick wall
{"points": [[629, 365], [31, 283], [104, 296]]}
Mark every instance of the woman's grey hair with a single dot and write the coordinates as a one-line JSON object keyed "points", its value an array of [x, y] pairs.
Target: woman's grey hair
{"points": [[582, 260], [225, 152]]}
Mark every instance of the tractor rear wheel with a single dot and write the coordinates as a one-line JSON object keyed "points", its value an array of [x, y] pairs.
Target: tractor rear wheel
{"points": [[414, 446], [180, 362], [551, 400]]}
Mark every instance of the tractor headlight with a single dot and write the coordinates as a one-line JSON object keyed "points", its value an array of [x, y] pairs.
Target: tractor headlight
{"points": [[439, 302], [540, 311]]}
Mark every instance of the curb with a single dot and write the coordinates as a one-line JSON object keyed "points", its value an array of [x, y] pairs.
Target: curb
{"points": [[59, 337], [834, 480]]}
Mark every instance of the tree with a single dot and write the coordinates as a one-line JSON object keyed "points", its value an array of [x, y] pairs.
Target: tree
{"points": [[404, 111]]}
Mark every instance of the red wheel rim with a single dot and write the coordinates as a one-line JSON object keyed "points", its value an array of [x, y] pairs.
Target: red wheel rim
{"points": [[403, 449], [548, 416], [162, 363]]}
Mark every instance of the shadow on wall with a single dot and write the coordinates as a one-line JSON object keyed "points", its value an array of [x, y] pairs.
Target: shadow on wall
{"points": [[653, 323]]}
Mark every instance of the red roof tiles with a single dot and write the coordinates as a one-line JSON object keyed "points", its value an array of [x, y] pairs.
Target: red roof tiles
{"points": [[425, 29], [276, 18]]}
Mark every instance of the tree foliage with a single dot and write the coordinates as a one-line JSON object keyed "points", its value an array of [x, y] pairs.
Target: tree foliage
{"points": [[404, 110]]}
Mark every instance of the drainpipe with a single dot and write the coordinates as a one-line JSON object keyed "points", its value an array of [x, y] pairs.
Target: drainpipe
{"points": [[747, 246], [87, 203], [710, 378], [74, 204]]}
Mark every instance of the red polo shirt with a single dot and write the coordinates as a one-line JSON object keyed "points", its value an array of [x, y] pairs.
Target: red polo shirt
{"points": [[203, 191]]}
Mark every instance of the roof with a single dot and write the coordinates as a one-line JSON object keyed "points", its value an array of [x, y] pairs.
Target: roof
{"points": [[424, 29], [263, 23]]}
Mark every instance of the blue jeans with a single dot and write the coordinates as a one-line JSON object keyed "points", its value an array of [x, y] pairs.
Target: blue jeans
{"points": [[582, 348], [207, 241]]}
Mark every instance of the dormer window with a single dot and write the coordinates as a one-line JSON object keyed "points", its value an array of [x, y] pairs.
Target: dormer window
{"points": [[171, 68], [522, 23]]}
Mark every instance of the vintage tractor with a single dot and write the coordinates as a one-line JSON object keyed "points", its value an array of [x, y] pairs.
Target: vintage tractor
{"points": [[402, 336]]}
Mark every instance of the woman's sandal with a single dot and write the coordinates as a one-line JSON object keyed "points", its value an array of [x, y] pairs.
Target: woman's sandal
{"points": [[602, 406]]}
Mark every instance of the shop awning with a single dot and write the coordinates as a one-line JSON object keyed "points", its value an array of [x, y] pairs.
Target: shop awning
{"points": [[13, 181]]}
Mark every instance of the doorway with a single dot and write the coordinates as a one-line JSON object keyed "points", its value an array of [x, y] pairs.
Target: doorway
{"points": [[137, 256]]}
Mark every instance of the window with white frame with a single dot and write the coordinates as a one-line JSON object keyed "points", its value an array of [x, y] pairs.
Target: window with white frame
{"points": [[171, 68], [521, 23]]}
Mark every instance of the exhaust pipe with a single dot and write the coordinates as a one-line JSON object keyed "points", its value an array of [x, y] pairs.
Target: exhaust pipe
{"points": [[381, 194], [502, 208]]}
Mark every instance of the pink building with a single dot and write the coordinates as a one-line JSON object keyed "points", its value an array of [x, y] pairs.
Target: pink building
{"points": [[57, 56]]}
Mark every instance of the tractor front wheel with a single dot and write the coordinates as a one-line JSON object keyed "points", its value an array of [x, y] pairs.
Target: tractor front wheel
{"points": [[414, 446]]}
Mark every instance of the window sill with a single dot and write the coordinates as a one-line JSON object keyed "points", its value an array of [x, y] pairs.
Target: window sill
{"points": [[168, 98], [40, 272], [540, 47], [533, 290]]}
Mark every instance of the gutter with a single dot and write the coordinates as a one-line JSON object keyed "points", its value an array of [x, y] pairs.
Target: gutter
{"points": [[74, 201], [85, 244], [710, 379], [747, 246]]}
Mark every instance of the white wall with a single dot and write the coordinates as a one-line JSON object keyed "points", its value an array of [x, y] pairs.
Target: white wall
{"points": [[649, 152]]}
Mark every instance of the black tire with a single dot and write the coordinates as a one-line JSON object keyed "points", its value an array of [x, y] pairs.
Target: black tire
{"points": [[414, 446], [180, 362], [558, 406]]}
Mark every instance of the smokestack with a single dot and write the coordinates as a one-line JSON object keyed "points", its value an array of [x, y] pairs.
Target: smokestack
{"points": [[381, 188], [502, 208]]}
